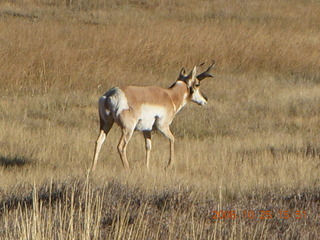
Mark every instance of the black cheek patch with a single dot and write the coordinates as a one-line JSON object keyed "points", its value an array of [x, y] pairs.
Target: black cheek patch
{"points": [[191, 90]]}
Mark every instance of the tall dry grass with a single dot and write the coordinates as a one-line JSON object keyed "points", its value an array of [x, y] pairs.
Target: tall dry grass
{"points": [[255, 146]]}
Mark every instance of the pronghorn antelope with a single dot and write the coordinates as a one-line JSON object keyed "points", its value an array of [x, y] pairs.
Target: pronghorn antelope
{"points": [[145, 109]]}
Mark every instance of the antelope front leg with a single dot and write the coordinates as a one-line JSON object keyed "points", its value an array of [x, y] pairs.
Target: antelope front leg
{"points": [[166, 131], [171, 159], [147, 137]]}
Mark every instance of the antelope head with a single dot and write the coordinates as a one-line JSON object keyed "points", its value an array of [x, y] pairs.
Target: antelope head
{"points": [[193, 82]]}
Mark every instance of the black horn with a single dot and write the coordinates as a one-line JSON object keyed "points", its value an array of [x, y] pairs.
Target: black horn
{"points": [[206, 73], [182, 75]]}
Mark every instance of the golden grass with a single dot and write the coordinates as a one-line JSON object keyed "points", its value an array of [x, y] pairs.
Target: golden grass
{"points": [[255, 146]]}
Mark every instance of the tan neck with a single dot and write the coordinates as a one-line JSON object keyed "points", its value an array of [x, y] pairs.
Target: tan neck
{"points": [[178, 93]]}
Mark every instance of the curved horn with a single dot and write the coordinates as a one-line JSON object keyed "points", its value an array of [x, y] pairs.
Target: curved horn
{"points": [[201, 64], [206, 73], [182, 74]]}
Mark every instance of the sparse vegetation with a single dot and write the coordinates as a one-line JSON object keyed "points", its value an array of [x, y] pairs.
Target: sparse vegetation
{"points": [[254, 147]]}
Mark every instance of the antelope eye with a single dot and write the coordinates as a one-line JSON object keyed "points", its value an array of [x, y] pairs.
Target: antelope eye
{"points": [[197, 85]]}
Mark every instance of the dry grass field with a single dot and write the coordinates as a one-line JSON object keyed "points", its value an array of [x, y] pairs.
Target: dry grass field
{"points": [[253, 152]]}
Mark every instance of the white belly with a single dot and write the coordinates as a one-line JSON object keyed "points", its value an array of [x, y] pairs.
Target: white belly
{"points": [[149, 116]]}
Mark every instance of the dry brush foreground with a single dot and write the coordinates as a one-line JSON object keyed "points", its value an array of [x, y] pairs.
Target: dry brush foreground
{"points": [[254, 147]]}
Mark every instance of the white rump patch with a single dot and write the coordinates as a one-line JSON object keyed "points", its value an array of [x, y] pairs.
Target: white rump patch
{"points": [[116, 101], [150, 114]]}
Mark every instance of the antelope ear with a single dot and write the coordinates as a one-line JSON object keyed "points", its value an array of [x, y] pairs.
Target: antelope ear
{"points": [[194, 73], [192, 76]]}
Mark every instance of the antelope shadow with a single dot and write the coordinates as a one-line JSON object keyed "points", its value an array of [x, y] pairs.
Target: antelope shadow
{"points": [[16, 161]]}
